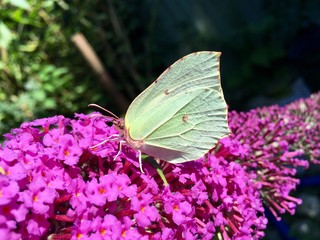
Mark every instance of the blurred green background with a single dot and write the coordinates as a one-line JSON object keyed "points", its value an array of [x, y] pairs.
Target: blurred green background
{"points": [[270, 54]]}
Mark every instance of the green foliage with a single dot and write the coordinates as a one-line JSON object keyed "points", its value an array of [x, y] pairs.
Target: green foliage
{"points": [[36, 79]]}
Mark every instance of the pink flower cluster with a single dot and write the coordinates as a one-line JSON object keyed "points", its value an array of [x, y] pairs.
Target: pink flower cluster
{"points": [[276, 139], [54, 185]]}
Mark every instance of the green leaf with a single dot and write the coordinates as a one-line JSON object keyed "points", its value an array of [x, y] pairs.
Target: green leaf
{"points": [[5, 35], [49, 103], [20, 4], [39, 95]]}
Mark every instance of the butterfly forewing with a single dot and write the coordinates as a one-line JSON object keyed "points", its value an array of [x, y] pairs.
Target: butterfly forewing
{"points": [[183, 113]]}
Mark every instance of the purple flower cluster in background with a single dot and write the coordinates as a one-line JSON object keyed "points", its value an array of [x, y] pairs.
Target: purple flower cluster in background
{"points": [[54, 185], [277, 139]]}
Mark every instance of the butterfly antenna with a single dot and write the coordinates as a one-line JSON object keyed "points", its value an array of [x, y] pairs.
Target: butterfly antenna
{"points": [[103, 109]]}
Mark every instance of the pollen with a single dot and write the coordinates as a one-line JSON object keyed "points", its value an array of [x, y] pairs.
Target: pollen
{"points": [[142, 209], [102, 190], [103, 231], [94, 148], [79, 235], [66, 152]]}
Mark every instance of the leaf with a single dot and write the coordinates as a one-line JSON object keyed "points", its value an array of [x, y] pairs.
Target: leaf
{"points": [[6, 35], [49, 103], [20, 4]]}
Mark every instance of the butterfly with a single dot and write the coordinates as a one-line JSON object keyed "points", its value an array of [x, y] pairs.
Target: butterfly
{"points": [[181, 115]]}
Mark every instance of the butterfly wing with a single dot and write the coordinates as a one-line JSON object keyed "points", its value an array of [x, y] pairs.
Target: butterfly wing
{"points": [[182, 114]]}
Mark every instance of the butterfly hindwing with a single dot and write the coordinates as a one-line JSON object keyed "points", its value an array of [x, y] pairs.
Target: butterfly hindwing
{"points": [[183, 113]]}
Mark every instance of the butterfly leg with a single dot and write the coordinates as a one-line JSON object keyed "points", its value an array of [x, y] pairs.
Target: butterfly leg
{"points": [[111, 138], [140, 161], [121, 142], [120, 149], [139, 155]]}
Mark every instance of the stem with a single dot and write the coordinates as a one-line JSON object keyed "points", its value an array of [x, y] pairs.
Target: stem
{"points": [[87, 51]]}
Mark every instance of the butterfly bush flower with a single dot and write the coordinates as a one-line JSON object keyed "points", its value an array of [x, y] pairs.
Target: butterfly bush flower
{"points": [[277, 138], [58, 181]]}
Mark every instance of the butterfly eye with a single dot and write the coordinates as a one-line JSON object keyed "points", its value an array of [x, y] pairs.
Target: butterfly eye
{"points": [[119, 123]]}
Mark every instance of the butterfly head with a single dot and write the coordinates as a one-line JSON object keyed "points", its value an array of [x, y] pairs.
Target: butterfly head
{"points": [[119, 124]]}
